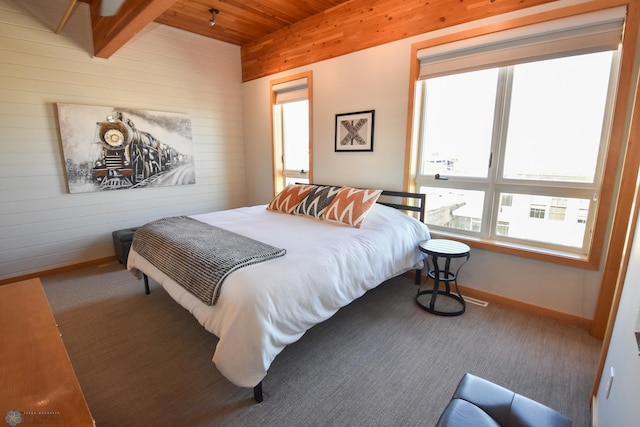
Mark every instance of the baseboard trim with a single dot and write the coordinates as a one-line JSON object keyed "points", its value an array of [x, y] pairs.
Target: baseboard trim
{"points": [[523, 306], [529, 308], [57, 270]]}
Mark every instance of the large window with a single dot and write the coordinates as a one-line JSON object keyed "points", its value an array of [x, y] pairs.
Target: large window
{"points": [[511, 148], [291, 131]]}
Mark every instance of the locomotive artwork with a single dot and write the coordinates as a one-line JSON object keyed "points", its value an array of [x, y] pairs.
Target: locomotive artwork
{"points": [[108, 148], [129, 157]]}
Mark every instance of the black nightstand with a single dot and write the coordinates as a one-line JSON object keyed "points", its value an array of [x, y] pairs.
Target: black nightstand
{"points": [[447, 249]]}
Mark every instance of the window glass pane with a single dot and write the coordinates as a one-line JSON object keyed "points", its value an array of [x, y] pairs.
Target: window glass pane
{"points": [[295, 124], [556, 117], [295, 180], [454, 208], [555, 220], [458, 124]]}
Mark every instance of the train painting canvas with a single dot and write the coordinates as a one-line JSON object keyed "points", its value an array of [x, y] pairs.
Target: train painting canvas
{"points": [[108, 148]]}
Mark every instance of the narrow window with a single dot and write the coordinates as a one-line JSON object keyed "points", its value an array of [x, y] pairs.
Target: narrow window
{"points": [[291, 114]]}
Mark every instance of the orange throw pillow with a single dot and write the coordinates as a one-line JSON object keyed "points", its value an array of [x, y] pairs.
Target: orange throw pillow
{"points": [[287, 200], [351, 206]]}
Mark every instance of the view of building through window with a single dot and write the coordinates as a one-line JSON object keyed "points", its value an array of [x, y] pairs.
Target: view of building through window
{"points": [[515, 153]]}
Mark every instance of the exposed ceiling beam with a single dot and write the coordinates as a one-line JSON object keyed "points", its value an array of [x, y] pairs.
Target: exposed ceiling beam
{"points": [[361, 24], [110, 33]]}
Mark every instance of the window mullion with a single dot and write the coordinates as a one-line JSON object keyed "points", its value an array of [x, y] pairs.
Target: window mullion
{"points": [[500, 127]]}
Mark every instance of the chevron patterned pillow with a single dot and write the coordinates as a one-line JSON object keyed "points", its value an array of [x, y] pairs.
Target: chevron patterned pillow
{"points": [[351, 206], [287, 200], [317, 201]]}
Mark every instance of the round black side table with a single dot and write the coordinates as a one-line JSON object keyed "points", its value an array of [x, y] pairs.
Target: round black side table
{"points": [[447, 249]]}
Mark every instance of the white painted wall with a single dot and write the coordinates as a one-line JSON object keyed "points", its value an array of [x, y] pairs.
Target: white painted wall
{"points": [[374, 79], [620, 407], [378, 79], [164, 69]]}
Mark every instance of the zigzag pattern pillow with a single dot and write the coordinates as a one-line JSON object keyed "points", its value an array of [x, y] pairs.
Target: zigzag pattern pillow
{"points": [[317, 201], [351, 206], [287, 200]]}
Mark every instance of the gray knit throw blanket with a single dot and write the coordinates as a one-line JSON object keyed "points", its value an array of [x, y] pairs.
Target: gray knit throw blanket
{"points": [[198, 256]]}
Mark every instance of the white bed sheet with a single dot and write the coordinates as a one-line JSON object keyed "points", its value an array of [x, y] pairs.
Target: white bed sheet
{"points": [[266, 306]]}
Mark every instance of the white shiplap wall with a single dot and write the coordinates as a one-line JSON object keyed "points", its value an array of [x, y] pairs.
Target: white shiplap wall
{"points": [[44, 227]]}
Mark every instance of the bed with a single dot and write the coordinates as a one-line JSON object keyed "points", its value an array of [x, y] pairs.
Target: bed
{"points": [[263, 307]]}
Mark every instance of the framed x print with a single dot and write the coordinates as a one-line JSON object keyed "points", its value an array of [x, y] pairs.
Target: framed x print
{"points": [[354, 131]]}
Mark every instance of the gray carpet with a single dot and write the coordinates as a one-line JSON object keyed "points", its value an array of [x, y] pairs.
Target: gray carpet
{"points": [[142, 360]]}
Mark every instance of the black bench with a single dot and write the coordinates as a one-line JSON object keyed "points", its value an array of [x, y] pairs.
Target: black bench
{"points": [[122, 243], [481, 403]]}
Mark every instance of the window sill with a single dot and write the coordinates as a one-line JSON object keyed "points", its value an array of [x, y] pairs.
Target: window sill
{"points": [[540, 254]]}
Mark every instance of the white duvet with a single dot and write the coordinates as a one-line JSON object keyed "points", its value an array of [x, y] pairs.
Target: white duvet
{"points": [[266, 306]]}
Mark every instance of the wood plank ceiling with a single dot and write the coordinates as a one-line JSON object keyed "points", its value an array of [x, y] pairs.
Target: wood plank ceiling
{"points": [[238, 21], [279, 35], [241, 21]]}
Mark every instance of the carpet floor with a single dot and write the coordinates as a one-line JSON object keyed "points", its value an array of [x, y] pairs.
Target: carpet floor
{"points": [[142, 360]]}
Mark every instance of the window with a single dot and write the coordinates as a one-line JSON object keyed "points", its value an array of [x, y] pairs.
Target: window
{"points": [[558, 209], [512, 130], [291, 115], [537, 211], [583, 212]]}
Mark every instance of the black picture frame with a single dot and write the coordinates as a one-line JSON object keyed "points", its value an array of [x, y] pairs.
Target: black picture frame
{"points": [[354, 131]]}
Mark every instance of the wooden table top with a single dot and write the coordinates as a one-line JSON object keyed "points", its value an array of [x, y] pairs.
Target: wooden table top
{"points": [[38, 384]]}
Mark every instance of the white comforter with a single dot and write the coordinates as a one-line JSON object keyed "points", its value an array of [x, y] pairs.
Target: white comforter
{"points": [[266, 306]]}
